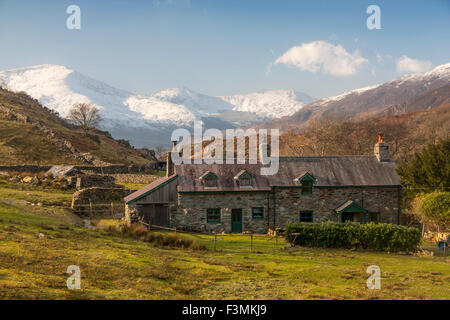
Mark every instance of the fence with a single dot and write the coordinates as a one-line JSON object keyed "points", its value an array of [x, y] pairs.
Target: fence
{"points": [[223, 242]]}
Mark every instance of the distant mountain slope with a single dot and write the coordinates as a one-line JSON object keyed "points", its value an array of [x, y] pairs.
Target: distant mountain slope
{"points": [[367, 101], [270, 103], [405, 133], [147, 120], [32, 134], [430, 99]]}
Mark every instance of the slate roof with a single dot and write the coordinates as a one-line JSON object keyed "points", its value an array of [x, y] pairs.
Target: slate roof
{"points": [[349, 204], [327, 170]]}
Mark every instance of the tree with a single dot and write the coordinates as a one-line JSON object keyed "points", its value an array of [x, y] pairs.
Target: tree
{"points": [[428, 170], [435, 208], [85, 115]]}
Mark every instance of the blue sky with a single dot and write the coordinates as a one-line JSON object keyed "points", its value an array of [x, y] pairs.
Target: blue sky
{"points": [[228, 47]]}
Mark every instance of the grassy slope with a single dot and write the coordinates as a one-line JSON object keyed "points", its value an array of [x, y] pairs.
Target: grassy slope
{"points": [[113, 267], [21, 143]]}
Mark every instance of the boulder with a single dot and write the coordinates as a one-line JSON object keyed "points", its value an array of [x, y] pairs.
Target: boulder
{"points": [[27, 179], [62, 171]]}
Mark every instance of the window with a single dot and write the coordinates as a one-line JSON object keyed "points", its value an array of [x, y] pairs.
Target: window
{"points": [[307, 187], [210, 182], [245, 182], [306, 216], [306, 182], [374, 217], [244, 179], [213, 215], [258, 213]]}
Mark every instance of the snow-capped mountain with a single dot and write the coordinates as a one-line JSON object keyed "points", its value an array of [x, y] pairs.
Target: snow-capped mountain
{"points": [[270, 103], [147, 119], [368, 101]]}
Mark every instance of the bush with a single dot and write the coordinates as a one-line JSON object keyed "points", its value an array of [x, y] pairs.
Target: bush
{"points": [[435, 207], [139, 232], [382, 236]]}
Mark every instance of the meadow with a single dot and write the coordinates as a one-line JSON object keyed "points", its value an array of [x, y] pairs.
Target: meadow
{"points": [[116, 266]]}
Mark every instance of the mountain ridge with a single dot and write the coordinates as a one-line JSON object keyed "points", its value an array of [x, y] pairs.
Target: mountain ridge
{"points": [[135, 116]]}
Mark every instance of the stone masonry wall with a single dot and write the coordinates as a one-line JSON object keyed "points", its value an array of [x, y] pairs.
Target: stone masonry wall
{"points": [[324, 200], [190, 211]]}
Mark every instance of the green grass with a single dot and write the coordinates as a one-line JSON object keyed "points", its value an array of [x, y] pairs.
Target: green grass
{"points": [[116, 267], [132, 186]]}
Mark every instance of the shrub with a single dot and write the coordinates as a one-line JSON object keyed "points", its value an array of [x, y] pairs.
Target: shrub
{"points": [[435, 207], [139, 232], [381, 237]]}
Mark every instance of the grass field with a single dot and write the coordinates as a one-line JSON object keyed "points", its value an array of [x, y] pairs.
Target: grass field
{"points": [[116, 267]]}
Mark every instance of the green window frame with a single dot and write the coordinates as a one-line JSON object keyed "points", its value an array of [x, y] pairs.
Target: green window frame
{"points": [[213, 215], [258, 213], [306, 216], [307, 186]]}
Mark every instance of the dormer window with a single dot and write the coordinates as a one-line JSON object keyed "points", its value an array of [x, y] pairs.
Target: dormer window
{"points": [[306, 181], [209, 180], [244, 179]]}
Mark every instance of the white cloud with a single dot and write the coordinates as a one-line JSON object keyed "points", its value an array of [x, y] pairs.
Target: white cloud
{"points": [[323, 56], [381, 57], [408, 65]]}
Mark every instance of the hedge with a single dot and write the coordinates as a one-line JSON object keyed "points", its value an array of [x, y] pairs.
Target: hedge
{"points": [[381, 236]]}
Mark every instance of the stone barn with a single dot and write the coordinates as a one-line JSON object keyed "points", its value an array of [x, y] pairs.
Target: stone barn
{"points": [[236, 198]]}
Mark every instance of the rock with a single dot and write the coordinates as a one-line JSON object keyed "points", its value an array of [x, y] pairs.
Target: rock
{"points": [[62, 171], [27, 179], [35, 181]]}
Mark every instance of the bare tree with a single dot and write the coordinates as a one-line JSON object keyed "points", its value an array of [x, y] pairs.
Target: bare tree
{"points": [[85, 115]]}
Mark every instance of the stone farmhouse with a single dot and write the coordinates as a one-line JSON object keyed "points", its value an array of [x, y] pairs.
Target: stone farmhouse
{"points": [[236, 198]]}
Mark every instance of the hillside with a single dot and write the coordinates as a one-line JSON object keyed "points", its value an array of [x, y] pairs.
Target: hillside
{"points": [[369, 101], [405, 133], [148, 120], [32, 134]]}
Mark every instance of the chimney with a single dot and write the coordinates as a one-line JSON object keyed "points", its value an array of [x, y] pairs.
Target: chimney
{"points": [[381, 149], [170, 166]]}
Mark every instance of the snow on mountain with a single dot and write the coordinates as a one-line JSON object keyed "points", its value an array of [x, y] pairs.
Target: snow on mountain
{"points": [[270, 103], [368, 101], [439, 75]]}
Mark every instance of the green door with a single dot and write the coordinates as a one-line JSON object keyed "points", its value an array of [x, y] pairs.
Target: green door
{"points": [[236, 220]]}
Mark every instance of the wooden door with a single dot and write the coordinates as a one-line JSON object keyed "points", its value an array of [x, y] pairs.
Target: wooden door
{"points": [[236, 220], [156, 214]]}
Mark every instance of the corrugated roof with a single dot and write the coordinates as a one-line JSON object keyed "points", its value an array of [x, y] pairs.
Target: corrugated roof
{"points": [[148, 188], [328, 171]]}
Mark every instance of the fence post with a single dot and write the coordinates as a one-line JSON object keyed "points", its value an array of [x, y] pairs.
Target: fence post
{"points": [[276, 239], [251, 242], [215, 238], [112, 210], [90, 209]]}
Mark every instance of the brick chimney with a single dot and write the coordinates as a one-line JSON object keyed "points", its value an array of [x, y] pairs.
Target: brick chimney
{"points": [[170, 166], [381, 149]]}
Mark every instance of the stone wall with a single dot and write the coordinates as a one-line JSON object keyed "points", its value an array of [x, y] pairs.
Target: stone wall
{"points": [[190, 211], [95, 180], [25, 168], [109, 169], [324, 200], [82, 198]]}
